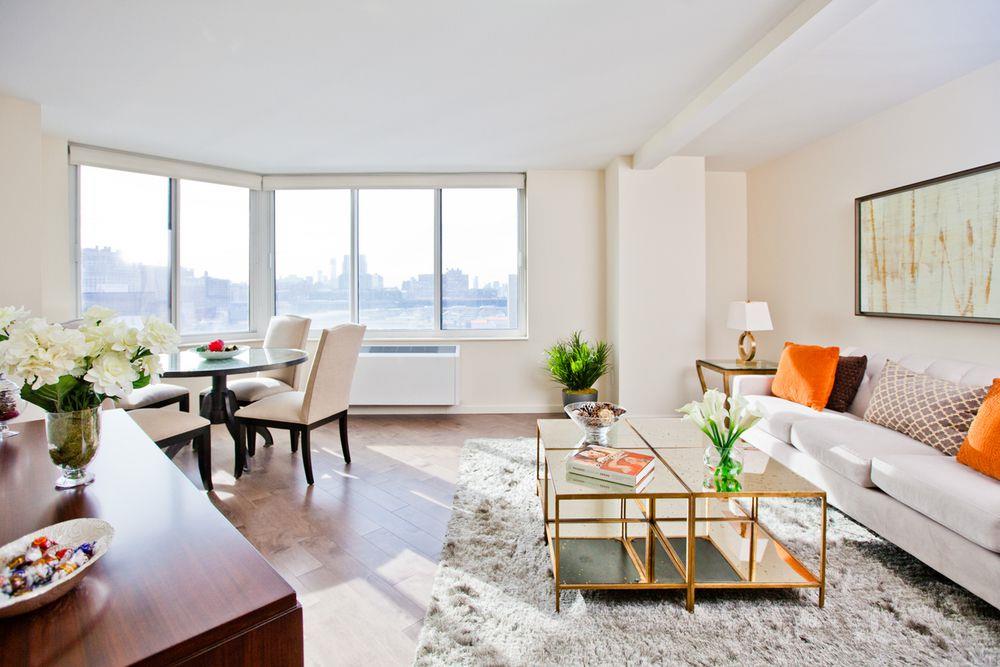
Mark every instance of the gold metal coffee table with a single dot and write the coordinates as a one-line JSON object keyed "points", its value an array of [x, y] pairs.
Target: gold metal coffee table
{"points": [[671, 533]]}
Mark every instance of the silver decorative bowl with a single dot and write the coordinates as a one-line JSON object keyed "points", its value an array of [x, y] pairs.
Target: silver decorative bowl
{"points": [[595, 418], [208, 355]]}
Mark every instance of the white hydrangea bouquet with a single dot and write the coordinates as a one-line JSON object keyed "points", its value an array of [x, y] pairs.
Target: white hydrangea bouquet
{"points": [[69, 372], [723, 427]]}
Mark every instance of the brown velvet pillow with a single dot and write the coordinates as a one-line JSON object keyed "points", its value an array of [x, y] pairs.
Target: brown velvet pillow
{"points": [[850, 373]]}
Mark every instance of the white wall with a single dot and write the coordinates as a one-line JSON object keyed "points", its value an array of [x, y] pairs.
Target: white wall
{"points": [[726, 257], [658, 310], [801, 218]]}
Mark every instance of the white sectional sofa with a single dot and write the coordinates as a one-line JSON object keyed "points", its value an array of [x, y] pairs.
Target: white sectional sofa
{"points": [[940, 511]]}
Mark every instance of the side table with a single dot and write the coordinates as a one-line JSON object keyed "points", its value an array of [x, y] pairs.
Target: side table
{"points": [[728, 368]]}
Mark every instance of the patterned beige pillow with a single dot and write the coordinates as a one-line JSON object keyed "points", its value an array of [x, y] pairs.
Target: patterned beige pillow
{"points": [[933, 411]]}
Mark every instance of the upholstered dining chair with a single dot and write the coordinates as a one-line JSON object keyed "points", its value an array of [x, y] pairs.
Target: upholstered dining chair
{"points": [[289, 331], [324, 400], [156, 394], [171, 430]]}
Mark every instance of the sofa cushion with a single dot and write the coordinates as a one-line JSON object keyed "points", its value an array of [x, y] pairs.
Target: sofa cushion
{"points": [[965, 373], [981, 449], [805, 374], [850, 372], [778, 415], [934, 411], [849, 447], [943, 489]]}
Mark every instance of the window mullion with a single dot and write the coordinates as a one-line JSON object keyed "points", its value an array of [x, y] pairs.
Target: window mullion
{"points": [[354, 288], [173, 225], [438, 273]]}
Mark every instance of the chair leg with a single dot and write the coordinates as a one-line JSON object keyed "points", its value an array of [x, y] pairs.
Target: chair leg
{"points": [[307, 456], [184, 405], [205, 458], [251, 440], [241, 451], [295, 440], [266, 434], [343, 438]]}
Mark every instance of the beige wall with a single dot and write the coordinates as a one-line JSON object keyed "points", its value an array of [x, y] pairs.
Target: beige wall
{"points": [[801, 219], [38, 262], [566, 291], [23, 262], [58, 285], [658, 258], [726, 257]]}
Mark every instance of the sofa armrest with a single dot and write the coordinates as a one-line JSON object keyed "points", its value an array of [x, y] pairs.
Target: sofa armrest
{"points": [[752, 385]]}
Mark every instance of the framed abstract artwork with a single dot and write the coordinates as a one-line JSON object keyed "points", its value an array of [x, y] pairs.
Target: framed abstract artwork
{"points": [[931, 250]]}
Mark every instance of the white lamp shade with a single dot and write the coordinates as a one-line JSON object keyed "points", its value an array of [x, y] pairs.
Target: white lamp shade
{"points": [[749, 316]]}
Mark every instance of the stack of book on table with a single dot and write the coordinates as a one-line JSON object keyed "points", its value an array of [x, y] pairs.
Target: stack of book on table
{"points": [[619, 466]]}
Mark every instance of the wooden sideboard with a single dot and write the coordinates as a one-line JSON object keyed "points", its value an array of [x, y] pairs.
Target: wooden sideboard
{"points": [[179, 585]]}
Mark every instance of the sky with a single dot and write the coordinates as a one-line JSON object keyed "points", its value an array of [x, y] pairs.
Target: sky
{"points": [[396, 231]]}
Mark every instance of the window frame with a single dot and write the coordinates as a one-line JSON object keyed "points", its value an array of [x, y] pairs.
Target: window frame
{"points": [[262, 278], [258, 232], [438, 332]]}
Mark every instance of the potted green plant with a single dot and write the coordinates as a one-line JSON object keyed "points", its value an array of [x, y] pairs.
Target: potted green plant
{"points": [[577, 365]]}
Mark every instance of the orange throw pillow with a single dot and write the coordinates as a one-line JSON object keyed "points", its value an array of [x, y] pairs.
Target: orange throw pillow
{"points": [[805, 374], [981, 449]]}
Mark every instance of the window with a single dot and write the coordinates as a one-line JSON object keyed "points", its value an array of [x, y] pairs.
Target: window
{"points": [[404, 261], [396, 259], [312, 255], [479, 258], [217, 252], [214, 258], [124, 242], [177, 249]]}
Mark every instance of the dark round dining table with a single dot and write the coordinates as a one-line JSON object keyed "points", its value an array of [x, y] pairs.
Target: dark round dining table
{"points": [[219, 405]]}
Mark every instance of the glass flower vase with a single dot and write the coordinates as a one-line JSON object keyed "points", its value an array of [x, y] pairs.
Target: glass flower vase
{"points": [[73, 441], [724, 468], [10, 406]]}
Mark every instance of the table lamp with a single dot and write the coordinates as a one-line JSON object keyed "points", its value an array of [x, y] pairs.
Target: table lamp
{"points": [[747, 316]]}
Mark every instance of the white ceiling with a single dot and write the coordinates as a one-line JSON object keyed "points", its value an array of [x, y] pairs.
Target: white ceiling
{"points": [[457, 85], [891, 53], [379, 85]]}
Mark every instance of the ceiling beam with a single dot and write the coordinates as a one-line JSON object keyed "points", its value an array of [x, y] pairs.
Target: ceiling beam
{"points": [[811, 23]]}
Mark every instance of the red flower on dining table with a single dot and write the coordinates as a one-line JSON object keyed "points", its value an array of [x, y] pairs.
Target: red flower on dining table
{"points": [[216, 346]]}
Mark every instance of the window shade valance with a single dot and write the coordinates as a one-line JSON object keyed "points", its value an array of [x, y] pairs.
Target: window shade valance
{"points": [[111, 159], [146, 164], [311, 181]]}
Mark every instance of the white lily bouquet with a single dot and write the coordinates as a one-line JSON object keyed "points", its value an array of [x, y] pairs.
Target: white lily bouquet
{"points": [[723, 427], [69, 372]]}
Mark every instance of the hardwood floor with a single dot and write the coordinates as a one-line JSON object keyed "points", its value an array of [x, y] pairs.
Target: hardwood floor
{"points": [[361, 546]]}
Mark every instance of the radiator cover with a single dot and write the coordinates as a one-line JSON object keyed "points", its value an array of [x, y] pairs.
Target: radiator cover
{"points": [[406, 375]]}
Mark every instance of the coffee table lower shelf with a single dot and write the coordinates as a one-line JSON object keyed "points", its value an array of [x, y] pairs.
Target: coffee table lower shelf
{"points": [[607, 562]]}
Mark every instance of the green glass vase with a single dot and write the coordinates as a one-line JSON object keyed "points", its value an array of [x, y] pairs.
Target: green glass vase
{"points": [[724, 468]]}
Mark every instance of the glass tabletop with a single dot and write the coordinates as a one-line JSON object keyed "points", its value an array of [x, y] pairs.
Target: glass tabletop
{"points": [[565, 434], [188, 364], [762, 475], [668, 432], [737, 365]]}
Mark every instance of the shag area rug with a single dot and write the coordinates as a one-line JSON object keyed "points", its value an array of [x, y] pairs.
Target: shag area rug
{"points": [[493, 600]]}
